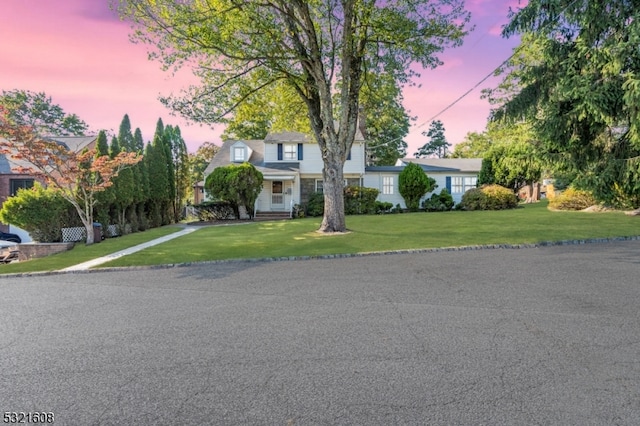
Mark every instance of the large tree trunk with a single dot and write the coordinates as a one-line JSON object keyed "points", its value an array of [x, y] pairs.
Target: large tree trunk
{"points": [[333, 187]]}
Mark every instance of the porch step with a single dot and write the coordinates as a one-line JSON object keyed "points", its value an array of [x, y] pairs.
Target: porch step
{"points": [[272, 215]]}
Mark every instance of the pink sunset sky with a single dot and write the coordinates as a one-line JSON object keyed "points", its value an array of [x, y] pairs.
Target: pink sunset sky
{"points": [[78, 52]]}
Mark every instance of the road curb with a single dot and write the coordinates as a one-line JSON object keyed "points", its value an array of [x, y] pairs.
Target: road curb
{"points": [[332, 256]]}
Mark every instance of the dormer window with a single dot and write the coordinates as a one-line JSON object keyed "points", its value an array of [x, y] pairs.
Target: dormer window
{"points": [[239, 154]]}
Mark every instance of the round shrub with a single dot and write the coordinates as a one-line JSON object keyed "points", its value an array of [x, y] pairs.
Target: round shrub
{"points": [[572, 199], [499, 197], [489, 197], [474, 199]]}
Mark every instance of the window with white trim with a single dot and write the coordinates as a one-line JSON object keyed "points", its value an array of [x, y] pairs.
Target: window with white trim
{"points": [[319, 185], [470, 182], [456, 185], [290, 151], [387, 185], [460, 184], [238, 153]]}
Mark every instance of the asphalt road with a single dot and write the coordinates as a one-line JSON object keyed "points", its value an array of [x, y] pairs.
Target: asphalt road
{"points": [[515, 337]]}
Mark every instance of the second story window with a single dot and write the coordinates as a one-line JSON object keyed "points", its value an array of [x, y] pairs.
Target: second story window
{"points": [[238, 154], [290, 152]]}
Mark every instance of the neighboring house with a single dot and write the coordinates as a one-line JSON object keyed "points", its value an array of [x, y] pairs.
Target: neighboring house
{"points": [[292, 165], [11, 181]]}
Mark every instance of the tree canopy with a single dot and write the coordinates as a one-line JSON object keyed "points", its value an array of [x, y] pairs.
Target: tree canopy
{"points": [[319, 48], [37, 110]]}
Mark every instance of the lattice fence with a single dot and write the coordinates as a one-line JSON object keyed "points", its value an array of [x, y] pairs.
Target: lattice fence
{"points": [[80, 234]]}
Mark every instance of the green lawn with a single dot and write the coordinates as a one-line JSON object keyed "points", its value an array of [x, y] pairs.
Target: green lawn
{"points": [[82, 253], [531, 224]]}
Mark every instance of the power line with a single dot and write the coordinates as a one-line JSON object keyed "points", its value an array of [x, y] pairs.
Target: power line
{"points": [[515, 52]]}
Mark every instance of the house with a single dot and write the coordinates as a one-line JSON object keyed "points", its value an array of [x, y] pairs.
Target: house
{"points": [[291, 164], [11, 180], [457, 175]]}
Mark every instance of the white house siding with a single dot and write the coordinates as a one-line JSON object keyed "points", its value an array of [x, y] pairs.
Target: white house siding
{"points": [[441, 181], [375, 179], [312, 164]]}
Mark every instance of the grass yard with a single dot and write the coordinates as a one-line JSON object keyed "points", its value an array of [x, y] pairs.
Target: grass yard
{"points": [[82, 253], [530, 224]]}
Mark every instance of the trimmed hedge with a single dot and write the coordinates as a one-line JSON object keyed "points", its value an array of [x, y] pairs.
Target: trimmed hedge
{"points": [[357, 200]]}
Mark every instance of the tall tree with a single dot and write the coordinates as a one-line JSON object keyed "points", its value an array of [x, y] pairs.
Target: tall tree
{"points": [[437, 145], [37, 110], [156, 165], [240, 48], [180, 166], [581, 90], [123, 184], [78, 177]]}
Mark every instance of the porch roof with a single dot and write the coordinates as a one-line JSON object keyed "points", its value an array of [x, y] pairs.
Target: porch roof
{"points": [[279, 171]]}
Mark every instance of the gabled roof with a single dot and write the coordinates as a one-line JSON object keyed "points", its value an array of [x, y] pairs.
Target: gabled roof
{"points": [[222, 157], [74, 143], [445, 164]]}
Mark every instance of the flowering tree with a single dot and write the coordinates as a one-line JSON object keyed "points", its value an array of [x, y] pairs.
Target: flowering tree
{"points": [[77, 176]]}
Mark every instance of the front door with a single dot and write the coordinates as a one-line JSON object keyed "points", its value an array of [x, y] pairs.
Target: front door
{"points": [[277, 195]]}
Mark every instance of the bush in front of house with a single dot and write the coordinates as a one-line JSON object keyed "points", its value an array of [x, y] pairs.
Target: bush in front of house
{"points": [[360, 200], [315, 205], [442, 202], [37, 210], [572, 199], [413, 184], [489, 197], [210, 211], [383, 207], [357, 200]]}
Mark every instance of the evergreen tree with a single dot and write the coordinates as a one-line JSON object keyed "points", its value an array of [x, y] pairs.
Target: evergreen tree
{"points": [[413, 184], [182, 172], [437, 145], [156, 162], [168, 140], [124, 135]]}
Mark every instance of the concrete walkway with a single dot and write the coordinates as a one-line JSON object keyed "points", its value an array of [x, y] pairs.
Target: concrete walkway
{"points": [[104, 259]]}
